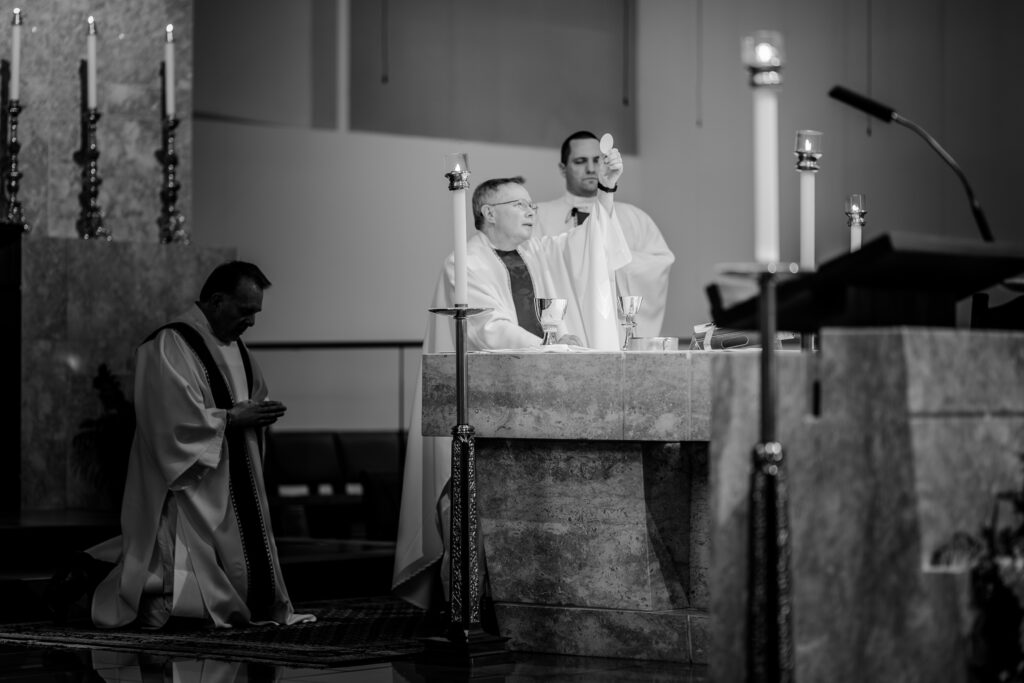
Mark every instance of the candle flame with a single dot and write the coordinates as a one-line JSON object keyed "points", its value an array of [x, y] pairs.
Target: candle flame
{"points": [[170, 33], [765, 52], [458, 169], [91, 20]]}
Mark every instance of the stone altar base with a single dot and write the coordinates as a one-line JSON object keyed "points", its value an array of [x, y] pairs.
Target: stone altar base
{"points": [[916, 430], [589, 546], [592, 496]]}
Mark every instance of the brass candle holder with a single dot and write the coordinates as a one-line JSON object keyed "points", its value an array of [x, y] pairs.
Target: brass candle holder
{"points": [[11, 173], [90, 218]]}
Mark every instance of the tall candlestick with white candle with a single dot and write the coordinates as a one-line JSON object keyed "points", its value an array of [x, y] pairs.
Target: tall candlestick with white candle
{"points": [[762, 53], [16, 55], [90, 65], [457, 172], [808, 151], [169, 73]]}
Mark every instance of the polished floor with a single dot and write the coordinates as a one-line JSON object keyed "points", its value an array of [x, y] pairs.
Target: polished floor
{"points": [[35, 665], [311, 570]]}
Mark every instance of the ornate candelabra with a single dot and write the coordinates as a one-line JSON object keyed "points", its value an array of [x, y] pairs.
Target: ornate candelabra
{"points": [[90, 218], [171, 220], [12, 175]]}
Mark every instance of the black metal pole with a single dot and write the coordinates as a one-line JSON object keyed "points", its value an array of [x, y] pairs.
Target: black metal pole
{"points": [[769, 613]]}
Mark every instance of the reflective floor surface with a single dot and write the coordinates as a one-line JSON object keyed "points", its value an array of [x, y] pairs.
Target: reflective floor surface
{"points": [[39, 665]]}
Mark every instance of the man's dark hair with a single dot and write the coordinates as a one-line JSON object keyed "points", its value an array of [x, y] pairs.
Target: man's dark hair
{"points": [[567, 145], [484, 193], [226, 277]]}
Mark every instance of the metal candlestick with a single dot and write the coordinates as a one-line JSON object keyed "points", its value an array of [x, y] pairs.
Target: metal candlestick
{"points": [[465, 642], [90, 219], [13, 216], [171, 220], [11, 173], [770, 654]]}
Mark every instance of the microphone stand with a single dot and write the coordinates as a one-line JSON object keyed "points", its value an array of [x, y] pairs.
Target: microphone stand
{"points": [[889, 115]]}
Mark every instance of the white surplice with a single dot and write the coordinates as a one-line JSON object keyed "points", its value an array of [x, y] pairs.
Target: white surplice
{"points": [[180, 539], [578, 265], [646, 275]]}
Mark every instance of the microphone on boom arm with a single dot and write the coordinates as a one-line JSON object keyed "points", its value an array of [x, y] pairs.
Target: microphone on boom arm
{"points": [[889, 115]]}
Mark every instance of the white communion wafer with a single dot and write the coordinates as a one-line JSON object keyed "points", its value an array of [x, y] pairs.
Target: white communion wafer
{"points": [[607, 142]]}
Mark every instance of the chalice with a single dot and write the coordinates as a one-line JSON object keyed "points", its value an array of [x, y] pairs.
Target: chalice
{"points": [[550, 313], [629, 306]]}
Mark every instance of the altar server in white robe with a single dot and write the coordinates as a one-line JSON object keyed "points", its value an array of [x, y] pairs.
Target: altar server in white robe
{"points": [[196, 538], [647, 274], [504, 259]]}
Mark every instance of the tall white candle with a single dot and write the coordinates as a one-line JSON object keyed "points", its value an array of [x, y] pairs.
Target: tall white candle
{"points": [[459, 213], [766, 175], [855, 237], [90, 65], [15, 93], [807, 219], [169, 73]]}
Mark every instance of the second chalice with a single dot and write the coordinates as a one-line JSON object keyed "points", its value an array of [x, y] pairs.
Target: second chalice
{"points": [[629, 306], [550, 313]]}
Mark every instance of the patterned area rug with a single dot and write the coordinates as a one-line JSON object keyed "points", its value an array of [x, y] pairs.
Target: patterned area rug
{"points": [[352, 631]]}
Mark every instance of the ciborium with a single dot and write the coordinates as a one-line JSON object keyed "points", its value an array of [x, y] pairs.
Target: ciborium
{"points": [[550, 313], [629, 307]]}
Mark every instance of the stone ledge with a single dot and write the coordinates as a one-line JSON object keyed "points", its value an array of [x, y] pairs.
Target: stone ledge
{"points": [[672, 635]]}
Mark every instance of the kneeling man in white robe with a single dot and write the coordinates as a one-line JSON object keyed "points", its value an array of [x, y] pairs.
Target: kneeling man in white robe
{"points": [[196, 539]]}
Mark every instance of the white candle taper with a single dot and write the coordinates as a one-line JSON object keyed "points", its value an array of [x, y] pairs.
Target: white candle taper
{"points": [[169, 73], [808, 151], [855, 208], [762, 53], [16, 20], [90, 65], [457, 172]]}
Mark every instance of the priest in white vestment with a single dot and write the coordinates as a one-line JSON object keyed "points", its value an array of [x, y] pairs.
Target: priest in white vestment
{"points": [[647, 274], [503, 259], [196, 538]]}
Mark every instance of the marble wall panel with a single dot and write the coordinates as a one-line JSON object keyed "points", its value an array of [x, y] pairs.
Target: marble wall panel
{"points": [[129, 53], [88, 304]]}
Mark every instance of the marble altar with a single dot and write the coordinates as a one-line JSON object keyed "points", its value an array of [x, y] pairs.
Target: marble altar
{"points": [[592, 491]]}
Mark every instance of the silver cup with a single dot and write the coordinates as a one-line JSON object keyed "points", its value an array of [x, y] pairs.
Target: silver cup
{"points": [[629, 306], [550, 313]]}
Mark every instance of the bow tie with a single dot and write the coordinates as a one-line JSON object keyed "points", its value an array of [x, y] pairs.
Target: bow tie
{"points": [[579, 215]]}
